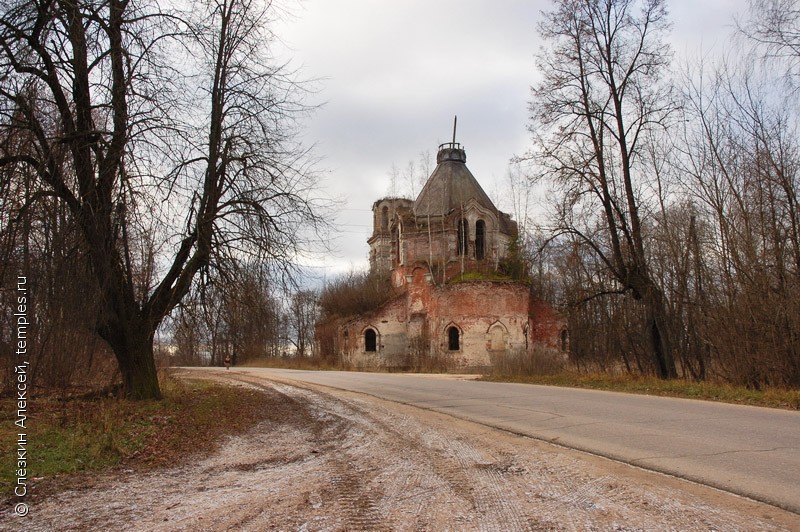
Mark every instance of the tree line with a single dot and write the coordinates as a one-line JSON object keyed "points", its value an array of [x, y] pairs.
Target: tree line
{"points": [[672, 242], [245, 319]]}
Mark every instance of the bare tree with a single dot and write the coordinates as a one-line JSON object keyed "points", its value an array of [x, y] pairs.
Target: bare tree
{"points": [[742, 168], [303, 315], [188, 335], [162, 177], [408, 181], [240, 317], [253, 319], [38, 240], [774, 26], [600, 96]]}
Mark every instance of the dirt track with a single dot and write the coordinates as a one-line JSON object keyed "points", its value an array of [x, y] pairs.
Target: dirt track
{"points": [[352, 462]]}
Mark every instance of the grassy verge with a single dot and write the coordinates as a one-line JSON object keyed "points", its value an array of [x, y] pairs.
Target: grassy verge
{"points": [[77, 435], [709, 391], [308, 363]]}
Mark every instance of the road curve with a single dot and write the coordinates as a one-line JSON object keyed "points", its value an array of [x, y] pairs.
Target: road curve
{"points": [[750, 451]]}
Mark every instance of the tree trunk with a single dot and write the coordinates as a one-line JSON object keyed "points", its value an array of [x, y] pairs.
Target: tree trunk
{"points": [[133, 348], [660, 337]]}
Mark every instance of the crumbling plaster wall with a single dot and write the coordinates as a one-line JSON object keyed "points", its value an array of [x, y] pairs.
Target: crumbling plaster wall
{"points": [[492, 318], [389, 323], [476, 307]]}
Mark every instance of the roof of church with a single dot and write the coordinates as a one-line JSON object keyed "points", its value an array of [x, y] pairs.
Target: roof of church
{"points": [[451, 185]]}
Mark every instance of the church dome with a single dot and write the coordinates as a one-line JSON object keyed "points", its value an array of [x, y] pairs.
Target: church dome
{"points": [[451, 185]]}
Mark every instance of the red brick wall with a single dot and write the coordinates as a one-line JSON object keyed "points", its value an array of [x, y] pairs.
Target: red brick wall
{"points": [[474, 307]]}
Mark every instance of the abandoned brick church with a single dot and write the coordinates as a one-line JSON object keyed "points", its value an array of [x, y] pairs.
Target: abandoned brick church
{"points": [[443, 252]]}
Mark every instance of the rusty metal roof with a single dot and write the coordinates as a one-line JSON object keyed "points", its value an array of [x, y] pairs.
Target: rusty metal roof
{"points": [[451, 185]]}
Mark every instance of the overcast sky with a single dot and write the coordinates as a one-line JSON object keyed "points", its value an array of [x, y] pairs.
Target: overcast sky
{"points": [[394, 73]]}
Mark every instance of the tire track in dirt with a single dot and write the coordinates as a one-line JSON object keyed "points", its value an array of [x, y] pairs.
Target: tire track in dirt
{"points": [[461, 467], [358, 505], [475, 473], [334, 436], [360, 508], [469, 472]]}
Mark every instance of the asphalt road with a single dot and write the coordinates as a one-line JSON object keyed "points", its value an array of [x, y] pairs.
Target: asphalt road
{"points": [[754, 452]]}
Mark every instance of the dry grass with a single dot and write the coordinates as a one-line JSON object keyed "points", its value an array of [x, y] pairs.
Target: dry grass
{"points": [[309, 363], [708, 391], [68, 437], [521, 363]]}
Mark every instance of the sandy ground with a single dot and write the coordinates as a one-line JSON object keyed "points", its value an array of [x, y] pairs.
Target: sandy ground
{"points": [[330, 460]]}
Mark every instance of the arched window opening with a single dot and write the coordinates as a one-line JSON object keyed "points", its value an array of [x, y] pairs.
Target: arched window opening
{"points": [[453, 339], [395, 247], [564, 341], [463, 236], [480, 239], [385, 219], [497, 338], [401, 254], [370, 340]]}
